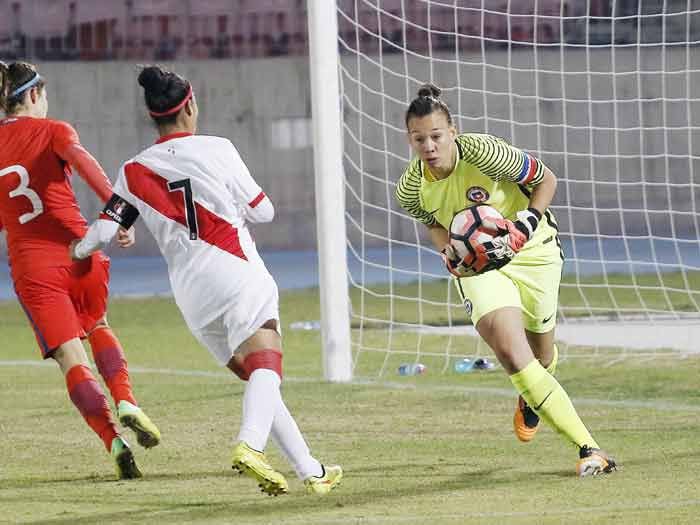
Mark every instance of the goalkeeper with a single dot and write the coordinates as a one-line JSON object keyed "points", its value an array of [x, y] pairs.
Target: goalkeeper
{"points": [[513, 306]]}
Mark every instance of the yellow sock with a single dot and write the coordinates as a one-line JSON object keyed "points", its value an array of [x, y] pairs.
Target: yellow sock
{"points": [[552, 367], [548, 399]]}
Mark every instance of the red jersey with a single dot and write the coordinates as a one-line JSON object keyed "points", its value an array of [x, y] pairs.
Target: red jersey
{"points": [[38, 208]]}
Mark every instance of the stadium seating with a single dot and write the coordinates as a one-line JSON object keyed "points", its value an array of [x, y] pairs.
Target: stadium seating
{"points": [[224, 29]]}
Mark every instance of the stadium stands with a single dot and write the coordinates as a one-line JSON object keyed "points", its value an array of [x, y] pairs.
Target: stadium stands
{"points": [[223, 29]]}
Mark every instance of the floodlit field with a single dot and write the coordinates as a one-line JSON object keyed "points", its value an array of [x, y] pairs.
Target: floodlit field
{"points": [[430, 449]]}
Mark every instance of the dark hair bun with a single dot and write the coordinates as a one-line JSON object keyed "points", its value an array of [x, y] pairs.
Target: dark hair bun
{"points": [[163, 91], [429, 90], [153, 80]]}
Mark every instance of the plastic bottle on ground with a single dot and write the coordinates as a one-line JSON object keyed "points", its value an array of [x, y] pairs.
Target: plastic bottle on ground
{"points": [[483, 364], [305, 325], [411, 369], [464, 366]]}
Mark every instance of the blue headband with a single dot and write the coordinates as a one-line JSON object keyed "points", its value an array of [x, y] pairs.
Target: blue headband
{"points": [[33, 82]]}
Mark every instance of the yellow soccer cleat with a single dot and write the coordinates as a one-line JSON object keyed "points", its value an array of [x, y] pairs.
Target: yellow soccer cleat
{"points": [[253, 463], [593, 462], [525, 421], [124, 463], [131, 416], [323, 484]]}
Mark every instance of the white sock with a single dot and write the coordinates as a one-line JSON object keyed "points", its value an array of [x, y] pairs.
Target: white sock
{"points": [[288, 437], [261, 397]]}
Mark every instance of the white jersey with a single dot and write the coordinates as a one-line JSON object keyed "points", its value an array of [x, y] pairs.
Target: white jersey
{"points": [[195, 195]]}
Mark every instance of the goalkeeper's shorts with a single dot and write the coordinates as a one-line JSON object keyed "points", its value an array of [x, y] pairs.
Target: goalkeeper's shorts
{"points": [[64, 302], [529, 282]]}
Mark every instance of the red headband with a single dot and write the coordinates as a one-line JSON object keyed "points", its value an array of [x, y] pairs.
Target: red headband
{"points": [[177, 108]]}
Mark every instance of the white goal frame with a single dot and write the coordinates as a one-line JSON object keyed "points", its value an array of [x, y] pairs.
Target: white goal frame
{"points": [[646, 329], [330, 194]]}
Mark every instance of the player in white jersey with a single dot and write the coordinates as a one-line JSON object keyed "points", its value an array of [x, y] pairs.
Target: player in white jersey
{"points": [[196, 196]]}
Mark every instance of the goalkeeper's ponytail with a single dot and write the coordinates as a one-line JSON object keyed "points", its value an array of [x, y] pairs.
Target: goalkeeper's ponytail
{"points": [[428, 101]]}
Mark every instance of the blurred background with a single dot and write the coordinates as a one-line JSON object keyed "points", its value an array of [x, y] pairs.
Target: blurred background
{"points": [[233, 29]]}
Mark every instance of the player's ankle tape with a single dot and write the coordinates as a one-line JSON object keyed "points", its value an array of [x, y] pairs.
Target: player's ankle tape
{"points": [[269, 359], [239, 370]]}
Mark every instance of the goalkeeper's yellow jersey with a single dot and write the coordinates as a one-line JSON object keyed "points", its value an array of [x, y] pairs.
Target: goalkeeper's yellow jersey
{"points": [[488, 171]]}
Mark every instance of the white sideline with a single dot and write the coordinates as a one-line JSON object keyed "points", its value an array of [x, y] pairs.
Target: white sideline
{"points": [[659, 405], [682, 335]]}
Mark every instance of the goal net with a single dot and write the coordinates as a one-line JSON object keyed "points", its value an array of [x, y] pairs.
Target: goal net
{"points": [[605, 92]]}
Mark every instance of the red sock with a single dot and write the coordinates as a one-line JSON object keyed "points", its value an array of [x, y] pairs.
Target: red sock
{"points": [[88, 397], [111, 363]]}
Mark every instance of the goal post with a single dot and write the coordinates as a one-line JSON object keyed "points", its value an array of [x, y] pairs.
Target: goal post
{"points": [[329, 188], [605, 93]]}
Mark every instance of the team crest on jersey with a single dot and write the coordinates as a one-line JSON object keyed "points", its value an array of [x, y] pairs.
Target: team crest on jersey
{"points": [[468, 307], [119, 207], [477, 194]]}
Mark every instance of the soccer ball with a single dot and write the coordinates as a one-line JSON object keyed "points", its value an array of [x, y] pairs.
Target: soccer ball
{"points": [[473, 227]]}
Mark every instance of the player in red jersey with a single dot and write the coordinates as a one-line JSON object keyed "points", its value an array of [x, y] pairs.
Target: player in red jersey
{"points": [[65, 300]]}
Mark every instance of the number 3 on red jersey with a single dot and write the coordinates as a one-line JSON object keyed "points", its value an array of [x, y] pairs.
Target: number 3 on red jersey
{"points": [[23, 190]]}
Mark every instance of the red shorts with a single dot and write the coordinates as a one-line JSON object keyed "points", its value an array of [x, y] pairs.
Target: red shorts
{"points": [[64, 302]]}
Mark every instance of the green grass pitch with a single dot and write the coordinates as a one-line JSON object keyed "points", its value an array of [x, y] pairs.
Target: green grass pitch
{"points": [[435, 449]]}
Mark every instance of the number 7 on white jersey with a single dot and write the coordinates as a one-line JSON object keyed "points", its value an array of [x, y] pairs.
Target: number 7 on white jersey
{"points": [[190, 211]]}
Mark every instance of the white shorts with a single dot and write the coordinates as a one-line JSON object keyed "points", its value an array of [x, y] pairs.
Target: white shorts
{"points": [[224, 335]]}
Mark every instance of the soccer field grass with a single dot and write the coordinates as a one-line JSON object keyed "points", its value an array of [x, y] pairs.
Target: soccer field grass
{"points": [[431, 449]]}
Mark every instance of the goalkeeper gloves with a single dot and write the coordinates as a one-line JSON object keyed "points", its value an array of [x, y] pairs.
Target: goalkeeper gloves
{"points": [[454, 264], [516, 233], [527, 221], [498, 252], [494, 254]]}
